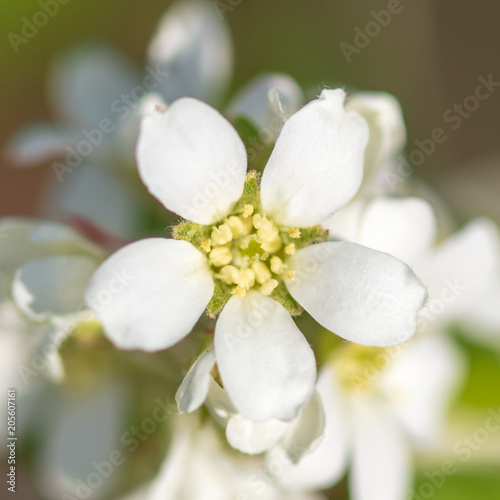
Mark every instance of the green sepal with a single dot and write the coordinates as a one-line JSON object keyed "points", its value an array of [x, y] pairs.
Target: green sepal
{"points": [[222, 293], [251, 193], [196, 234], [280, 294]]}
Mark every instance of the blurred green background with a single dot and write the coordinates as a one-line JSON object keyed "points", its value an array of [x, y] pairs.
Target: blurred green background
{"points": [[429, 57]]}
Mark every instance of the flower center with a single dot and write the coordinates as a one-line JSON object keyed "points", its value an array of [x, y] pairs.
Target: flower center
{"points": [[247, 250]]}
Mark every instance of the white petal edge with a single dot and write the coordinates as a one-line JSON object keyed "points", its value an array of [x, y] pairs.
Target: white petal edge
{"points": [[192, 160], [150, 294], [362, 295], [193, 390], [316, 166], [266, 364]]}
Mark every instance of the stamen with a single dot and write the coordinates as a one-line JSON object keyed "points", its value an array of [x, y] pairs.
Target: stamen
{"points": [[257, 220], [268, 287], [262, 273], [277, 266], [290, 249], [220, 256], [231, 273], [247, 278], [290, 274], [294, 232], [222, 234]]}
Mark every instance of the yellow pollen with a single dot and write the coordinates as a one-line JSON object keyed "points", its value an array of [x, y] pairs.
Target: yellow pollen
{"points": [[220, 256], [232, 274], [262, 273], [268, 287], [290, 274], [294, 232], [290, 249], [247, 211], [207, 245], [239, 291], [277, 266]]}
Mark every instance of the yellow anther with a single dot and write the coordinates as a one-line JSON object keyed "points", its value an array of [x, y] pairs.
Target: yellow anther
{"points": [[290, 249], [268, 287], [207, 245], [247, 211], [236, 225], [267, 231], [232, 274], [271, 245], [262, 273], [294, 232], [239, 291], [257, 220], [220, 256], [247, 278], [221, 235], [277, 266], [290, 274]]}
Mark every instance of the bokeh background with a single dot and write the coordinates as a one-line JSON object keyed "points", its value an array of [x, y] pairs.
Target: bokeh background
{"points": [[430, 57]]}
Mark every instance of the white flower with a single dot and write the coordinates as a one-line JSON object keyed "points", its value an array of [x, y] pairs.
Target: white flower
{"points": [[44, 269], [294, 438], [198, 467], [193, 161], [462, 271], [379, 405]]}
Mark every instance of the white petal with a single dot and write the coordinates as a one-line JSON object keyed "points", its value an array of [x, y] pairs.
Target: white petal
{"points": [[254, 437], [405, 227], [381, 465], [421, 382], [219, 404], [39, 143], [23, 239], [387, 129], [317, 164], [326, 464], [193, 45], [306, 431], [462, 272], [88, 82], [265, 363], [363, 295], [150, 294], [52, 286], [191, 158], [194, 388], [254, 102]]}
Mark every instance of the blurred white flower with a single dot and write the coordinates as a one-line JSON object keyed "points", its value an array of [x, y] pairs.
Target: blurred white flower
{"points": [[380, 404], [198, 467], [295, 438], [44, 269], [193, 161]]}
